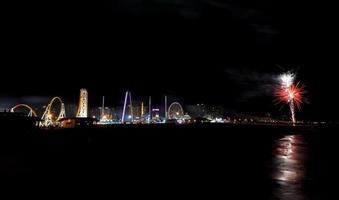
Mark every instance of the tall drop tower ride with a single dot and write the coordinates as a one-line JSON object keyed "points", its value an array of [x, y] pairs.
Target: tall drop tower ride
{"points": [[83, 104]]}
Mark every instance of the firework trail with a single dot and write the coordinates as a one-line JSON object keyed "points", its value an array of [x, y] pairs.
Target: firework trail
{"points": [[289, 93]]}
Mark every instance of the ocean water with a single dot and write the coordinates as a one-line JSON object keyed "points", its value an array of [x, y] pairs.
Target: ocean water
{"points": [[230, 162]]}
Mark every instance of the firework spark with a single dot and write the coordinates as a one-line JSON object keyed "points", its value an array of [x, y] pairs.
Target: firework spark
{"points": [[286, 80], [289, 93], [292, 94]]}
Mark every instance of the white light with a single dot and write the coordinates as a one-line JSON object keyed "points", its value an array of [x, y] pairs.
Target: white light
{"points": [[287, 79]]}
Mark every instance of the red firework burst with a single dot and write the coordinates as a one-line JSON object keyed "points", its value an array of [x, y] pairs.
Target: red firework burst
{"points": [[294, 94]]}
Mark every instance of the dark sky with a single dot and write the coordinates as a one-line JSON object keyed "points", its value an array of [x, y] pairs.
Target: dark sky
{"points": [[196, 50]]}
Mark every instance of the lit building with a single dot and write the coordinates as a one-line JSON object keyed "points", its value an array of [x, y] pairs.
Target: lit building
{"points": [[75, 122]]}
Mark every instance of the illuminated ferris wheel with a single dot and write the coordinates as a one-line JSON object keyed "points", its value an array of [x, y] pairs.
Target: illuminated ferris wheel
{"points": [[175, 111]]}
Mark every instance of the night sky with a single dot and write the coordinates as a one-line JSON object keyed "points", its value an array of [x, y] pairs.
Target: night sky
{"points": [[212, 51]]}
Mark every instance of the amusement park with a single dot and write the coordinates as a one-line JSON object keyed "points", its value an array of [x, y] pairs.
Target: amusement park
{"points": [[54, 114]]}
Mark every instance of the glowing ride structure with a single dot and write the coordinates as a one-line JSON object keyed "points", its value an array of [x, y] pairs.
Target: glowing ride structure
{"points": [[105, 119], [175, 111], [83, 104], [128, 95], [47, 118], [31, 113]]}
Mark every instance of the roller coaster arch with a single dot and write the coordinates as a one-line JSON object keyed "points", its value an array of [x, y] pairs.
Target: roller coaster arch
{"points": [[31, 113]]}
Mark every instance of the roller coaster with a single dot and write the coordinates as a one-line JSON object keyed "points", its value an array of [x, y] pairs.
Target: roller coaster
{"points": [[31, 113], [47, 118]]}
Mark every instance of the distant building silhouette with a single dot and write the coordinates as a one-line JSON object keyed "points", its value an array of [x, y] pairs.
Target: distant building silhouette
{"points": [[17, 121]]}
